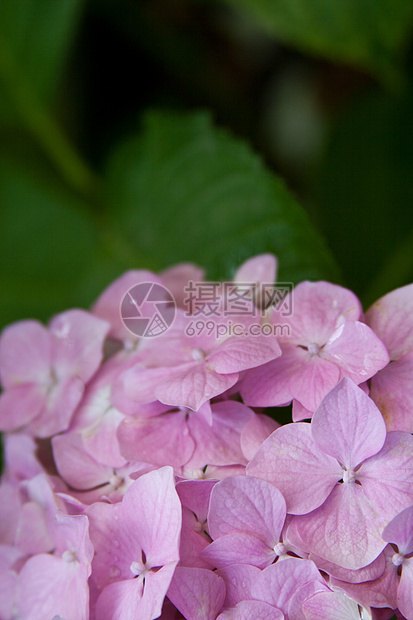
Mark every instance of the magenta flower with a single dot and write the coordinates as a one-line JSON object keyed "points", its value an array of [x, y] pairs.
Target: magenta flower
{"points": [[391, 317], [337, 475], [321, 342], [44, 371]]}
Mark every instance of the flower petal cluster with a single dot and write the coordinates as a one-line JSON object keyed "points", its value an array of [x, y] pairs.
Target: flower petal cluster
{"points": [[145, 477]]}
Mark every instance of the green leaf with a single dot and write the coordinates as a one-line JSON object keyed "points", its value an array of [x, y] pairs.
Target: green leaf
{"points": [[35, 38], [366, 193], [370, 34], [186, 191], [47, 242]]}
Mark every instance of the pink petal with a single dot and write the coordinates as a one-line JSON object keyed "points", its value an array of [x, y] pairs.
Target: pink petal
{"points": [[387, 477], [50, 586], [107, 307], [251, 610], [405, 590], [239, 353], [261, 268], [238, 548], [330, 606], [279, 582], [20, 404], [220, 443], [154, 499], [195, 495], [367, 573], [255, 432], [193, 386], [198, 593], [391, 318], [162, 440], [25, 354], [76, 466], [291, 461], [356, 350], [391, 390], [347, 425], [345, 530], [177, 277], [400, 531], [238, 581], [78, 339], [248, 505], [319, 308], [61, 404]]}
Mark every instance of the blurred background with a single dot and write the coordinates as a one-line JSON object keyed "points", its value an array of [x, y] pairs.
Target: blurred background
{"points": [[139, 133]]}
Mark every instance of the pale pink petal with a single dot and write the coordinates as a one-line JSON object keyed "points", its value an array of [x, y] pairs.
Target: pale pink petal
{"points": [[291, 461], [238, 581], [300, 413], [387, 477], [193, 386], [77, 343], [238, 548], [101, 441], [60, 407], [356, 350], [20, 404], [76, 466], [405, 590], [295, 608], [219, 443], [316, 378], [318, 309], [330, 606], [127, 600], [25, 354], [400, 531], [140, 383], [367, 573], [277, 583], [249, 505], [198, 593], [193, 540], [348, 426], [251, 610], [107, 307], [260, 268], [162, 440], [195, 495], [345, 530], [177, 277], [154, 499], [20, 455], [391, 318], [239, 353], [380, 592], [50, 586], [255, 432], [391, 389], [8, 581]]}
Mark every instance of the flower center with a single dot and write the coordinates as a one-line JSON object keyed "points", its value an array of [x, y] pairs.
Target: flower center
{"points": [[349, 476], [198, 354], [279, 549], [138, 569], [398, 559], [313, 349]]}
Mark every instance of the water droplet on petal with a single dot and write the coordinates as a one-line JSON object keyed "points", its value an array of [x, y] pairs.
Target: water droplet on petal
{"points": [[114, 571]]}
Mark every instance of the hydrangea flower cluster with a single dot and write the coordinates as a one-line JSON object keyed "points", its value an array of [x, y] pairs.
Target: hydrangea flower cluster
{"points": [[144, 477]]}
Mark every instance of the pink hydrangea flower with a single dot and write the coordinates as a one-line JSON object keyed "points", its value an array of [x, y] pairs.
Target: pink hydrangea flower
{"points": [[44, 370], [337, 474], [322, 341], [391, 317]]}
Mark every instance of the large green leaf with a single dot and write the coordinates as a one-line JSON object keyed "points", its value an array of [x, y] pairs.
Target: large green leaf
{"points": [[366, 193], [185, 190], [47, 243], [367, 33], [34, 40]]}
